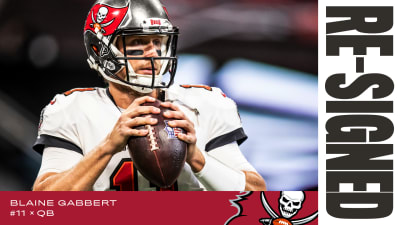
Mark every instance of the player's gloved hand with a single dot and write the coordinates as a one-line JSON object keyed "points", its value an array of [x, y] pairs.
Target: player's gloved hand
{"points": [[131, 117], [181, 121]]}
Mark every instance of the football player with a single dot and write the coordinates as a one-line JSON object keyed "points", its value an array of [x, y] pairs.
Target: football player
{"points": [[83, 132]]}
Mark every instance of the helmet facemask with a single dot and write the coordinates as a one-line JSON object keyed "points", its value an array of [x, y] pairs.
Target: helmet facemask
{"points": [[149, 55]]}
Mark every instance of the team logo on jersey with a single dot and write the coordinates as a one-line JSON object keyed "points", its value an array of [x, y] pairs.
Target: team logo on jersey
{"points": [[172, 131], [292, 207], [105, 19]]}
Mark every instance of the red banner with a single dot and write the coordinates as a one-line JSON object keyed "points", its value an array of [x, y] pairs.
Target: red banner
{"points": [[141, 207]]}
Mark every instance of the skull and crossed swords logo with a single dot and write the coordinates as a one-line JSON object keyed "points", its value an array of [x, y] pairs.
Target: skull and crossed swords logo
{"points": [[98, 24], [290, 202]]}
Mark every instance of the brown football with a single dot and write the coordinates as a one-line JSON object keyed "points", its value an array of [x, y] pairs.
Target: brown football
{"points": [[159, 156]]}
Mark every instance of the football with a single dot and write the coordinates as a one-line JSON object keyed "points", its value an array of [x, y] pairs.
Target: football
{"points": [[281, 221], [159, 156]]}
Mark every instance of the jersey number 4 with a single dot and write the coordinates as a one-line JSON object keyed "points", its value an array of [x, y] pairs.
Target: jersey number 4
{"points": [[125, 178]]}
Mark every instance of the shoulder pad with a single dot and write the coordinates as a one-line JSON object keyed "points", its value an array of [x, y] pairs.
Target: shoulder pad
{"points": [[56, 118]]}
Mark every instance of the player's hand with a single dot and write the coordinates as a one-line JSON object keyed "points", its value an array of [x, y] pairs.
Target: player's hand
{"points": [[130, 118], [180, 120]]}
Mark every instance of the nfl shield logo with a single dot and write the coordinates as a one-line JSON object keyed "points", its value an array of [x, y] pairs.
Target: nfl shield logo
{"points": [[172, 132]]}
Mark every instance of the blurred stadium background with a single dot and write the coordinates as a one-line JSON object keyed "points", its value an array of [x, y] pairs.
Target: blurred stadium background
{"points": [[261, 53]]}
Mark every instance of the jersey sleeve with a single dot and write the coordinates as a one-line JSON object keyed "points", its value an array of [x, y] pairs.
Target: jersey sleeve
{"points": [[218, 115], [58, 160], [224, 125], [57, 126], [231, 156]]}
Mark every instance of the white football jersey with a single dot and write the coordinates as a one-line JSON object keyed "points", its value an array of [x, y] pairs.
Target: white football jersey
{"points": [[78, 120]]}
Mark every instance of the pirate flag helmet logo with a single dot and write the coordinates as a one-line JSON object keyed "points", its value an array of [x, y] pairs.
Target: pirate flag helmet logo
{"points": [[104, 18]]}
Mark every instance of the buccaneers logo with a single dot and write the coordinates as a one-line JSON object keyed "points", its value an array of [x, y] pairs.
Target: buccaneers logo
{"points": [[283, 208], [290, 202], [105, 19]]}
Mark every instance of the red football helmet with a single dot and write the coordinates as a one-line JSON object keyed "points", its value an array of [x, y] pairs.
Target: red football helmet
{"points": [[110, 20]]}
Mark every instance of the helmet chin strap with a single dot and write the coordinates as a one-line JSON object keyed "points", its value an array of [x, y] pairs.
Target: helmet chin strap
{"points": [[142, 90], [143, 80], [134, 77]]}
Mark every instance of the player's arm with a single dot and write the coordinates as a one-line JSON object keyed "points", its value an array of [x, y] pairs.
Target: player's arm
{"points": [[213, 172], [84, 174], [80, 177], [226, 170], [231, 155]]}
